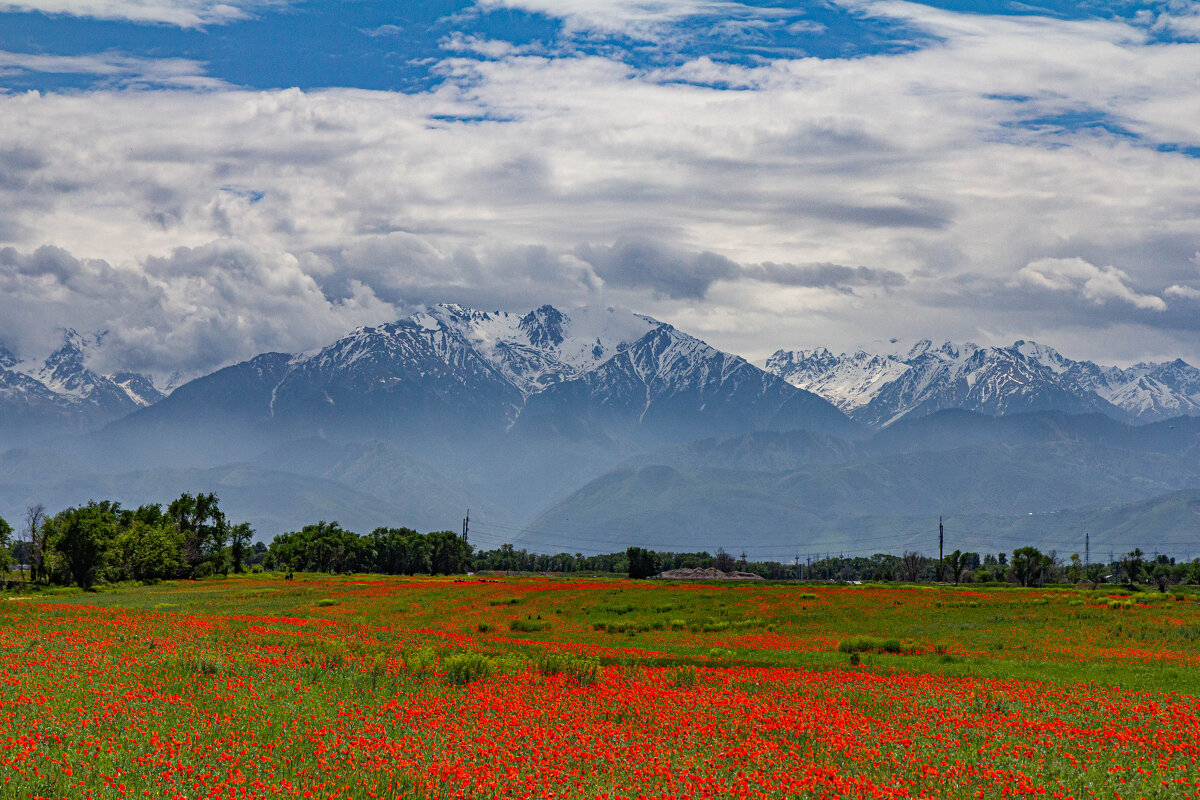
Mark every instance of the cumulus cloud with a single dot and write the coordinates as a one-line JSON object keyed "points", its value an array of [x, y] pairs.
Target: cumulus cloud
{"points": [[181, 13], [1098, 284], [192, 310], [526, 177]]}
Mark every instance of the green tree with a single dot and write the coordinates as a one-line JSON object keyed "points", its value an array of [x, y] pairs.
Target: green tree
{"points": [[957, 564], [1028, 565], [643, 563], [1096, 573], [202, 524], [1132, 566], [449, 554], [6, 531], [239, 536], [147, 551], [35, 530], [1075, 569], [82, 537], [1162, 575]]}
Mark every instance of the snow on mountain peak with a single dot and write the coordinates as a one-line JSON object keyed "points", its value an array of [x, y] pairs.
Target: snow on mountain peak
{"points": [[882, 388], [546, 345]]}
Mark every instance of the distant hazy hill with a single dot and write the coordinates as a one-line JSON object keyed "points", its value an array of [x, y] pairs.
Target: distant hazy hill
{"points": [[1017, 476]]}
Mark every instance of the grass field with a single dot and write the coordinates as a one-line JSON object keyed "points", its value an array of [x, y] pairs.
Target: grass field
{"points": [[356, 687]]}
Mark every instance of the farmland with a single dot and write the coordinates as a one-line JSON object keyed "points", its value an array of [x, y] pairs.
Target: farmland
{"points": [[357, 687]]}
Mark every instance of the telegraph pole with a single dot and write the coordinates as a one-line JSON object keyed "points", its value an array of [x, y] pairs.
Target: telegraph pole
{"points": [[1087, 549], [466, 525], [941, 543]]}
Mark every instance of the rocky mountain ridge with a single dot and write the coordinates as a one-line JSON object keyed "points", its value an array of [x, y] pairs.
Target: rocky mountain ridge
{"points": [[880, 388]]}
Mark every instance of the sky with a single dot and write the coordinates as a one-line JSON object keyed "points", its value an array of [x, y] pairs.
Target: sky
{"points": [[209, 181]]}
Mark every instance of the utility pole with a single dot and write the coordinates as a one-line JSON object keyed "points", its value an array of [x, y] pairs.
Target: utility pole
{"points": [[1087, 549], [941, 543], [466, 525], [797, 566]]}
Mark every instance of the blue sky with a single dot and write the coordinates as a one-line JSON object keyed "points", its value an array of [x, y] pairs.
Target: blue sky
{"points": [[211, 180], [396, 46]]}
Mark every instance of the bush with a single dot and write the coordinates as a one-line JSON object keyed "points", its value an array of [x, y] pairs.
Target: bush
{"points": [[483, 627], [325, 602], [420, 660], [582, 669], [462, 668], [871, 644], [528, 625]]}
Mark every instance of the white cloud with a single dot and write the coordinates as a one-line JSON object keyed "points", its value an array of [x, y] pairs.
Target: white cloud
{"points": [[195, 308], [1097, 284], [488, 188], [180, 13], [641, 19], [116, 68], [1183, 292]]}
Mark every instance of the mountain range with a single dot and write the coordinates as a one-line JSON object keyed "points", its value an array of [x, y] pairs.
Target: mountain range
{"points": [[62, 394], [595, 428], [879, 388]]}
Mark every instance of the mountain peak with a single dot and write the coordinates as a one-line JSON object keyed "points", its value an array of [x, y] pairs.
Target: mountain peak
{"points": [[7, 359], [544, 326]]}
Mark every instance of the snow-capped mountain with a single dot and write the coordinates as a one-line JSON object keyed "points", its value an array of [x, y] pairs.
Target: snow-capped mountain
{"points": [[449, 374], [878, 389], [63, 392]]}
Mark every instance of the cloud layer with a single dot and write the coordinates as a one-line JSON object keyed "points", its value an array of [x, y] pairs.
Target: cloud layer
{"points": [[946, 191], [183, 13]]}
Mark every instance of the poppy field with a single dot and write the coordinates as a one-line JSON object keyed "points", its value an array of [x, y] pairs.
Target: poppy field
{"points": [[362, 687]]}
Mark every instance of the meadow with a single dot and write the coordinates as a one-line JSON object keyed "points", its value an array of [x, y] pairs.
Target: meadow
{"points": [[370, 687]]}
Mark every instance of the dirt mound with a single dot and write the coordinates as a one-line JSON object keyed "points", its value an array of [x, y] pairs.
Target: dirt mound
{"points": [[707, 575]]}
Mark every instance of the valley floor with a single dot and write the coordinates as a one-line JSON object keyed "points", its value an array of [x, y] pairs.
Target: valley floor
{"points": [[364, 686]]}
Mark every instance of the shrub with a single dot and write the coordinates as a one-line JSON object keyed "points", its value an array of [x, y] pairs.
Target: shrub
{"points": [[871, 644], [527, 625], [462, 668], [483, 627], [583, 669], [419, 660], [325, 602]]}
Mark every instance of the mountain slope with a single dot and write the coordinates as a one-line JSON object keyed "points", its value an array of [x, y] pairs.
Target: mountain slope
{"points": [[451, 377], [816, 493]]}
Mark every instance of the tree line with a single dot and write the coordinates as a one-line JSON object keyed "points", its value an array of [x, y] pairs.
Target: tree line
{"points": [[101, 542]]}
